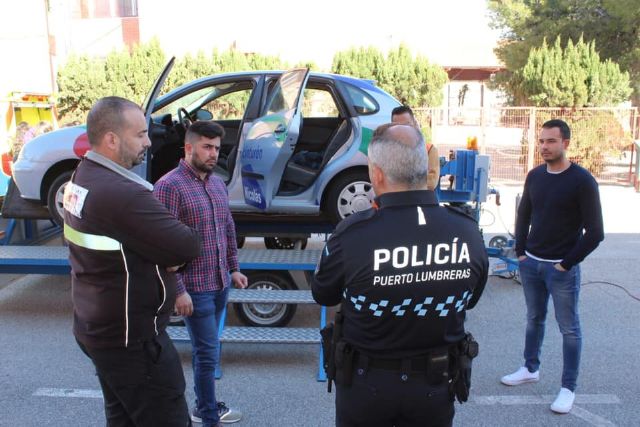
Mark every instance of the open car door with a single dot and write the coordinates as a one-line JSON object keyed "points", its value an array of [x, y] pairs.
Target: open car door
{"points": [[144, 168], [272, 139]]}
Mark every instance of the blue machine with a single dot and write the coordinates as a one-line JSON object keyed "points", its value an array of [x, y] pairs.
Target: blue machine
{"points": [[468, 188], [468, 174]]}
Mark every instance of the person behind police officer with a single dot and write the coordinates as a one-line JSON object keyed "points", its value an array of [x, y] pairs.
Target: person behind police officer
{"points": [[403, 115], [404, 290], [123, 243]]}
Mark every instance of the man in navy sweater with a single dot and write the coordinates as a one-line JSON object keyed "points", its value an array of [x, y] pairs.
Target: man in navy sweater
{"points": [[559, 223]]}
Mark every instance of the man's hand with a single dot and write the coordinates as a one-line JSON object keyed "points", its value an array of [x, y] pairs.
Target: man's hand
{"points": [[522, 257], [239, 280], [558, 267], [184, 306]]}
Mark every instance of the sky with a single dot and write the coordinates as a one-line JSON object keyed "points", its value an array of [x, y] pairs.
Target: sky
{"points": [[448, 32]]}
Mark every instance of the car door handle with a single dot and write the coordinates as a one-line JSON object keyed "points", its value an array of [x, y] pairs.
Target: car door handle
{"points": [[280, 128]]}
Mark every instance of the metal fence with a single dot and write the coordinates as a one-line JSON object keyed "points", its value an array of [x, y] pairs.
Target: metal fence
{"points": [[601, 141]]}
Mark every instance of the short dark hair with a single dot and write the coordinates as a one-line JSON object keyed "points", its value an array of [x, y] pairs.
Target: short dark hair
{"points": [[106, 116], [565, 130], [207, 128], [401, 110]]}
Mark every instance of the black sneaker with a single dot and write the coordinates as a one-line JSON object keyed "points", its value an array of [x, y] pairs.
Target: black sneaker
{"points": [[227, 415]]}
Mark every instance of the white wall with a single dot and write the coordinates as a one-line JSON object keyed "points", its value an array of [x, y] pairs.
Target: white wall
{"points": [[24, 47]]}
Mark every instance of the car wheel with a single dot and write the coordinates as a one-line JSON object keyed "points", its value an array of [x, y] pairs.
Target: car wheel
{"points": [[284, 243], [347, 195], [498, 242], [265, 314], [56, 195]]}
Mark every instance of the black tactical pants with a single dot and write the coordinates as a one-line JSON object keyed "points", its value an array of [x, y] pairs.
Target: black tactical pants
{"points": [[143, 385], [382, 398]]}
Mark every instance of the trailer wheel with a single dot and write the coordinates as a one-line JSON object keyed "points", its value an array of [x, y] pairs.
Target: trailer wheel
{"points": [[283, 243], [56, 195], [265, 314]]}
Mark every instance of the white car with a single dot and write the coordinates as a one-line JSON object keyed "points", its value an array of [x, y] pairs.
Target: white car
{"points": [[295, 144]]}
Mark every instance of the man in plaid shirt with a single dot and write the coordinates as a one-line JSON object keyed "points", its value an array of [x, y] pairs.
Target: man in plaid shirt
{"points": [[200, 200]]}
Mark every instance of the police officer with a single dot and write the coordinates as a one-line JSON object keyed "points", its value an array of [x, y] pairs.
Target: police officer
{"points": [[405, 272]]}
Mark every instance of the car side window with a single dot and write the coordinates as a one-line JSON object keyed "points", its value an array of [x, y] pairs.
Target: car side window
{"points": [[318, 103], [230, 106], [361, 101]]}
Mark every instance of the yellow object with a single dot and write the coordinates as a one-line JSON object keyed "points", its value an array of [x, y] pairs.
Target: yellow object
{"points": [[472, 143]]}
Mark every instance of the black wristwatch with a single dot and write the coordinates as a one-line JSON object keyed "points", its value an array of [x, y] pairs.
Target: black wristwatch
{"points": [[233, 270]]}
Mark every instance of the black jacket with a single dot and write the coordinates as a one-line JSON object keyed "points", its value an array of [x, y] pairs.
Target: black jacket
{"points": [[121, 291], [405, 272]]}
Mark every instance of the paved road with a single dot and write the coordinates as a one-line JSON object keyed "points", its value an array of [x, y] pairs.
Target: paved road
{"points": [[275, 384]]}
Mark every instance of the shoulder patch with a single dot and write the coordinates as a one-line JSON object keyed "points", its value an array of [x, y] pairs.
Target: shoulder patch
{"points": [[73, 200], [464, 210]]}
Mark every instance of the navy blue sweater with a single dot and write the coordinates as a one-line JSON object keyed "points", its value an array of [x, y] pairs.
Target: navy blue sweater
{"points": [[559, 216]]}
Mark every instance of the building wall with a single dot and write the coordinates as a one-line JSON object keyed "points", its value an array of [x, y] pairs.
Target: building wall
{"points": [[24, 48]]}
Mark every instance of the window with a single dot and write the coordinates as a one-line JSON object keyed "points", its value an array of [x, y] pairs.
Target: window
{"points": [[230, 106], [226, 101], [127, 8], [286, 92], [361, 101], [88, 9], [318, 103]]}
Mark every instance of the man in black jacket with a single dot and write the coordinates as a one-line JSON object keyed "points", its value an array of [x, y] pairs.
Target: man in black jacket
{"points": [[405, 272], [122, 244]]}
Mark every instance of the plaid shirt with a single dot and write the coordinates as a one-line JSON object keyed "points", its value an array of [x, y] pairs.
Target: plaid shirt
{"points": [[204, 206]]}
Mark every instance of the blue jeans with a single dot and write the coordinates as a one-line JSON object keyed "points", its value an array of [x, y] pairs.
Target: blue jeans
{"points": [[203, 331], [539, 280]]}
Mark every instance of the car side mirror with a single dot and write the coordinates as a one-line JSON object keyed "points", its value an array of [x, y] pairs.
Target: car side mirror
{"points": [[204, 115]]}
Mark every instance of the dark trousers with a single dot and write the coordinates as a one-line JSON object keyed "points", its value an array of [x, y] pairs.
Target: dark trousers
{"points": [[143, 384], [381, 398]]}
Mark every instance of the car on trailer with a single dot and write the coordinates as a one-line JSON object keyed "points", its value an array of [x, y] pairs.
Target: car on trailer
{"points": [[295, 143]]}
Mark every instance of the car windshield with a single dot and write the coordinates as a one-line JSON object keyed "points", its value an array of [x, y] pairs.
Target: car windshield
{"points": [[193, 100]]}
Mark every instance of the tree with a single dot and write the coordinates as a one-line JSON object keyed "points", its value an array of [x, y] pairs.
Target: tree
{"points": [[612, 24], [129, 74], [82, 80], [573, 76], [413, 81], [362, 62]]}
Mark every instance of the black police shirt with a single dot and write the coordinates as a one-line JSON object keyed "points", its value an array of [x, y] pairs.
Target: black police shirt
{"points": [[405, 272]]}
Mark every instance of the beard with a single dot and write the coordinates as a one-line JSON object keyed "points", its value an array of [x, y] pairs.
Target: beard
{"points": [[128, 158], [136, 161], [202, 166]]}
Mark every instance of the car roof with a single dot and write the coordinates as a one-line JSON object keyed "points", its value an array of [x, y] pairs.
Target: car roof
{"points": [[361, 83]]}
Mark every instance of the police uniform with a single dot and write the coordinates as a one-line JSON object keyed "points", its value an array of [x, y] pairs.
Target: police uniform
{"points": [[405, 272]]}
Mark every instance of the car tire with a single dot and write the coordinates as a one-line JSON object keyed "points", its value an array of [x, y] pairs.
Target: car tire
{"points": [[348, 194], [284, 243], [265, 314], [54, 197], [498, 242]]}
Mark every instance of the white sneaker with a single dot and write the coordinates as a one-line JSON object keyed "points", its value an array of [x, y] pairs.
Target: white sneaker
{"points": [[564, 401], [521, 376]]}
